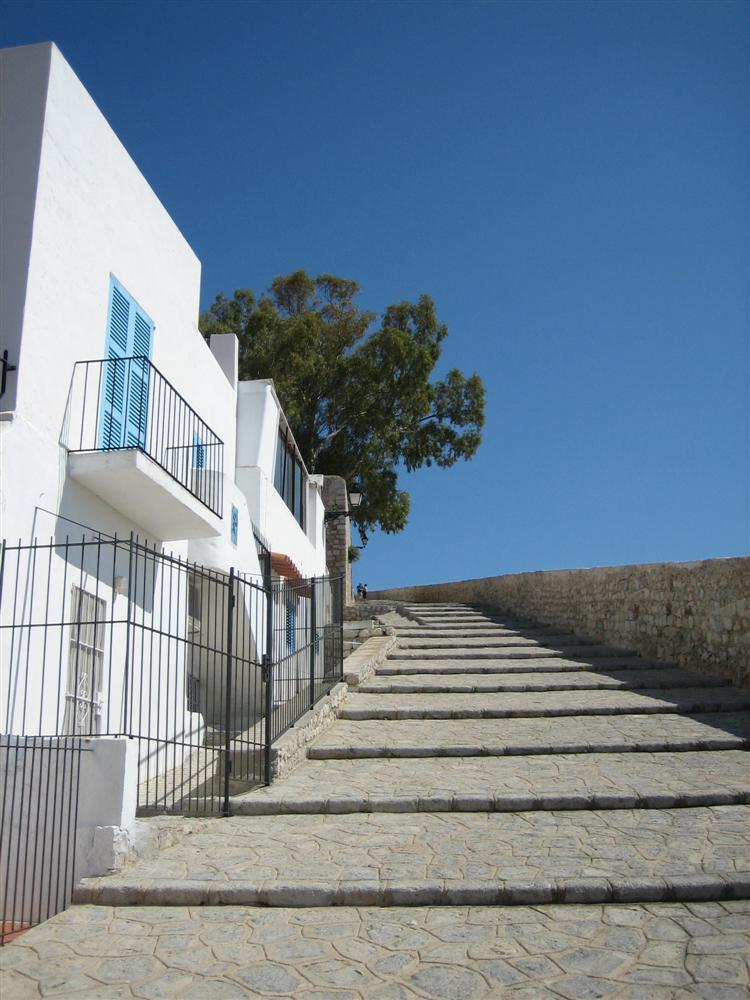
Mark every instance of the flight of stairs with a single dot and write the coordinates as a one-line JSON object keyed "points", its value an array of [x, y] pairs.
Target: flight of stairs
{"points": [[500, 812], [490, 762]]}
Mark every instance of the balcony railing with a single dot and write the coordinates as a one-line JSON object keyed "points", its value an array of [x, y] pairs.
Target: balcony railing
{"points": [[126, 403]]}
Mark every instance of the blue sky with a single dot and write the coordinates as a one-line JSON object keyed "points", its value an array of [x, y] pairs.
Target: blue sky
{"points": [[569, 181]]}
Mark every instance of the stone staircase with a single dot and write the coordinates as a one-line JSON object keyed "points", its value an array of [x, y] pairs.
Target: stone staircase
{"points": [[358, 630], [489, 772]]}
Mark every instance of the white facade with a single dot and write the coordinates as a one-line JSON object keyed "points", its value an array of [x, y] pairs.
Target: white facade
{"points": [[76, 211], [76, 216]]}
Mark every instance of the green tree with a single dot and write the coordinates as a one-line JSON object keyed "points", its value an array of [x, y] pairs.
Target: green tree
{"points": [[358, 394]]}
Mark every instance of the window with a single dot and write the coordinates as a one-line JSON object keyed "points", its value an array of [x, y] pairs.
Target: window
{"points": [[235, 529], [193, 693], [125, 381], [289, 478], [85, 657]]}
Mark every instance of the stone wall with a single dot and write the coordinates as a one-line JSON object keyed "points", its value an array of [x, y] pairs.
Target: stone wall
{"points": [[695, 614], [338, 532]]}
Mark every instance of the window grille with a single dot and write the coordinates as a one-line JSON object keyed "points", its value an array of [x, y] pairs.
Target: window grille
{"points": [[85, 657]]}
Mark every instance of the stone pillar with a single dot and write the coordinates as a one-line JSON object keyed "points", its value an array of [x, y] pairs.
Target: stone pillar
{"points": [[338, 532]]}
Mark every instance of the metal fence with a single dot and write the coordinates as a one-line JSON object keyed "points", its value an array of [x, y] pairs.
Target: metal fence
{"points": [[113, 637], [123, 403], [307, 646], [39, 781]]}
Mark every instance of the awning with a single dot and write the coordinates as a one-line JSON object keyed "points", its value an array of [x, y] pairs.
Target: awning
{"points": [[282, 565]]}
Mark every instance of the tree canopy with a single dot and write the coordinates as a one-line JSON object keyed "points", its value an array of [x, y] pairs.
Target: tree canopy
{"points": [[358, 392]]}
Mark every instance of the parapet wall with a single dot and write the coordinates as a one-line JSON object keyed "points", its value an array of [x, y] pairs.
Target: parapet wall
{"points": [[694, 614]]}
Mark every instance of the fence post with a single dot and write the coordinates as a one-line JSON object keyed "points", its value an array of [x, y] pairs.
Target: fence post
{"points": [[311, 640], [228, 693], [268, 673], [342, 596], [126, 684]]}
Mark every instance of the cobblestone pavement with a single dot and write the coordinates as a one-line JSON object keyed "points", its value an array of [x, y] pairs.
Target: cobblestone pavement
{"points": [[534, 704], [510, 652], [478, 853], [412, 664], [612, 785], [509, 783], [653, 952], [568, 734], [490, 640], [467, 682]]}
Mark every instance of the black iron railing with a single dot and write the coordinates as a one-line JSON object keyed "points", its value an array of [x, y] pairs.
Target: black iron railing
{"points": [[105, 636], [124, 403], [307, 645], [39, 782]]}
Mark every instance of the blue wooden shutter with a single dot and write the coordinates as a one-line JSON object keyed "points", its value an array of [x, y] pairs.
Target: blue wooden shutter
{"points": [[126, 382], [291, 627], [199, 452], [115, 371], [137, 416]]}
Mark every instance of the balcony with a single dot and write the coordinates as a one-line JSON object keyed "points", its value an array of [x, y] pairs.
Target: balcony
{"points": [[135, 442]]}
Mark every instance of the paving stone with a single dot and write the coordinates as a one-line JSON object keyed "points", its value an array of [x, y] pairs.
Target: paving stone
{"points": [[269, 978], [513, 704], [603, 777], [592, 654], [501, 783], [404, 666], [463, 683], [489, 737], [529, 856]]}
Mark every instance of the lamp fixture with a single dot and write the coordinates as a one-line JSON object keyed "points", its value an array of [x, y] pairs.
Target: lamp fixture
{"points": [[354, 499]]}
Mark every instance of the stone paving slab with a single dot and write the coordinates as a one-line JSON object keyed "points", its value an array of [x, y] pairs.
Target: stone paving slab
{"points": [[493, 737], [486, 628], [445, 784], [433, 858], [538, 680], [518, 704], [451, 641], [585, 653], [662, 951], [410, 664]]}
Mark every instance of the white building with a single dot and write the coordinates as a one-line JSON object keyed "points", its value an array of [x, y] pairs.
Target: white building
{"points": [[93, 267], [134, 456]]}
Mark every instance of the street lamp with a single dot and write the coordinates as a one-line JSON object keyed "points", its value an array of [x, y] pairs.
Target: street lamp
{"points": [[355, 499]]}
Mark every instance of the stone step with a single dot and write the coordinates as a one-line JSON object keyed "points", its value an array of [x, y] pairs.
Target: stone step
{"points": [[490, 642], [502, 784], [395, 664], [444, 617], [525, 736], [536, 681], [472, 616], [522, 704], [386, 859], [661, 951], [512, 653], [411, 631]]}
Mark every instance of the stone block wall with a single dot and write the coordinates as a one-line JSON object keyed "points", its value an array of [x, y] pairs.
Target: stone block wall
{"points": [[694, 614], [338, 532]]}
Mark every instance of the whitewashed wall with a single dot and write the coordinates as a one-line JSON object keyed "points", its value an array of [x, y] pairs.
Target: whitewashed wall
{"points": [[77, 211], [258, 416], [94, 216]]}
